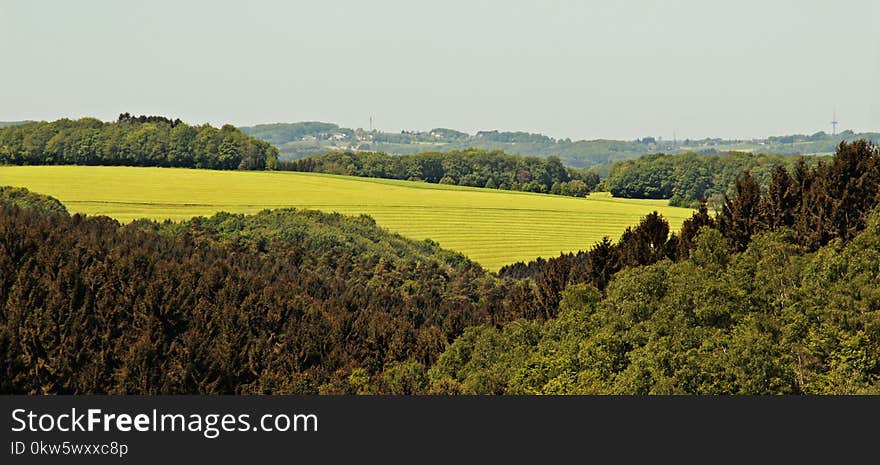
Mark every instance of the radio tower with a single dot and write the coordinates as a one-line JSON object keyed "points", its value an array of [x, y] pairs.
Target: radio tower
{"points": [[834, 124]]}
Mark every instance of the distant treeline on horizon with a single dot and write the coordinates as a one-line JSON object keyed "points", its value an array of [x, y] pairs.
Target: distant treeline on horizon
{"points": [[298, 140]]}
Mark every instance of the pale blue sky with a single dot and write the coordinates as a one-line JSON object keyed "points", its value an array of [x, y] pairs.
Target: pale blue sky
{"points": [[579, 69]]}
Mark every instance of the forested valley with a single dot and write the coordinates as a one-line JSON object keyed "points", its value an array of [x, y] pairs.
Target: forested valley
{"points": [[776, 293], [284, 301]]}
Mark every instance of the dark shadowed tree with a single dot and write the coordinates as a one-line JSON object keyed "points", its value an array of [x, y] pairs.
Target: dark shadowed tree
{"points": [[690, 228], [739, 218], [603, 262], [778, 206], [646, 243]]}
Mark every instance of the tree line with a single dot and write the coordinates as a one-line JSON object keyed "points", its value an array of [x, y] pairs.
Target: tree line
{"points": [[134, 141], [828, 201], [472, 167], [688, 179]]}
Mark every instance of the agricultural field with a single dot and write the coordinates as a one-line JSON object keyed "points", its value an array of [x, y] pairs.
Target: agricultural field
{"points": [[492, 227]]}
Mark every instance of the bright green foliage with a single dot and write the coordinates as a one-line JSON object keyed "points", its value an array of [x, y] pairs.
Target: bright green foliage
{"points": [[689, 178], [472, 167], [481, 360], [134, 141], [23, 198], [771, 320]]}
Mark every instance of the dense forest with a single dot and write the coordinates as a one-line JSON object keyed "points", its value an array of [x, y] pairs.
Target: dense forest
{"points": [[134, 141], [279, 302], [476, 168], [773, 319], [777, 293], [688, 179]]}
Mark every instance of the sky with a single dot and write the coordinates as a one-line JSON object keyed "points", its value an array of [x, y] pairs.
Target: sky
{"points": [[577, 69]]}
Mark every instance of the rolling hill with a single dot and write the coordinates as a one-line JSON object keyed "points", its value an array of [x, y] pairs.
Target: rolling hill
{"points": [[297, 140], [490, 226]]}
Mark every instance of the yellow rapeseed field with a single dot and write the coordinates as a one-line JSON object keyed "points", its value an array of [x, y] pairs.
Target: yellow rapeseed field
{"points": [[492, 227]]}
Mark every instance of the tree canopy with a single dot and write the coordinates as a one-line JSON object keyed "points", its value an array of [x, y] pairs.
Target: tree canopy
{"points": [[475, 168], [776, 294], [134, 141], [284, 301], [688, 179], [770, 320]]}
